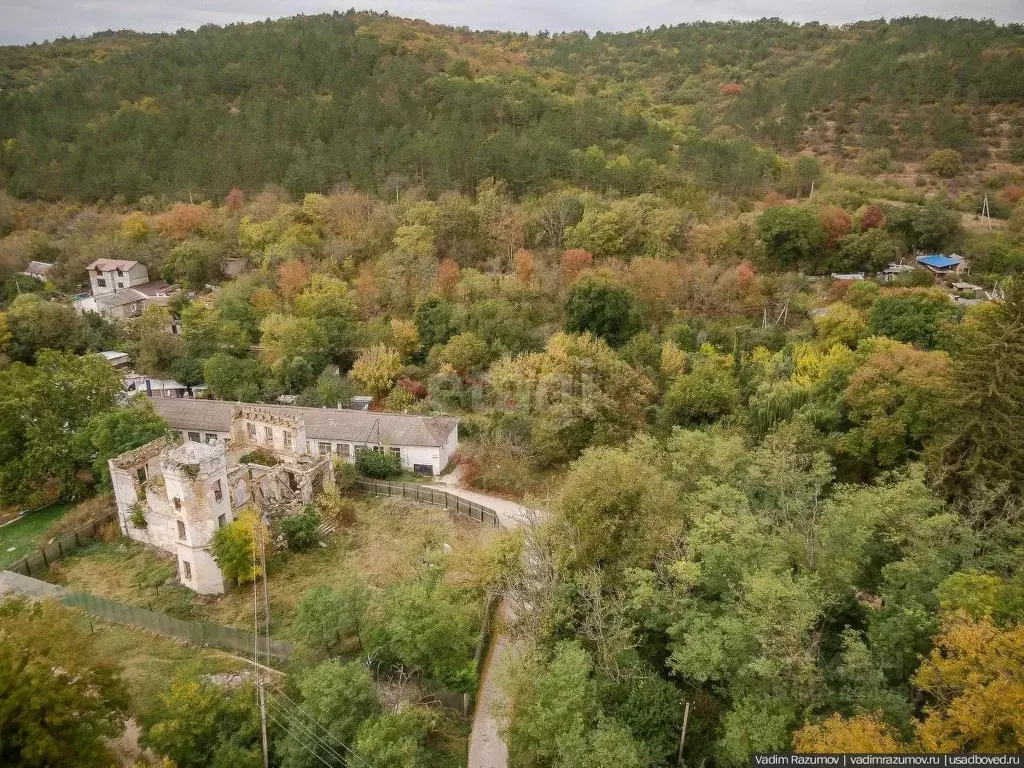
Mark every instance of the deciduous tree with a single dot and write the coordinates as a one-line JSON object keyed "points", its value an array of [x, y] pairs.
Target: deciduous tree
{"points": [[376, 369], [63, 698]]}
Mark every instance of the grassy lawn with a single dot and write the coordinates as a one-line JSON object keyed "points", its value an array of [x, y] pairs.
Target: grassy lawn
{"points": [[390, 541], [26, 535]]}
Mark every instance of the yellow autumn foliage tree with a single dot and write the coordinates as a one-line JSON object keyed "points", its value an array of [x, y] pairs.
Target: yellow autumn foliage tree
{"points": [[376, 369], [862, 734], [975, 676]]}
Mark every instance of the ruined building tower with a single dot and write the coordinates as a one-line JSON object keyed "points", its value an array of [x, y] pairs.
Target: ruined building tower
{"points": [[196, 480]]}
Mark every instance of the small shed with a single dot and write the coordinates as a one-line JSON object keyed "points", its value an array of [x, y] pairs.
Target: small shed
{"points": [[115, 358], [41, 270], [939, 264]]}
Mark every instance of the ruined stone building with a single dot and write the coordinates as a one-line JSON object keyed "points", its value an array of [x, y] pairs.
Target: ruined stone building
{"points": [[174, 496], [424, 444]]}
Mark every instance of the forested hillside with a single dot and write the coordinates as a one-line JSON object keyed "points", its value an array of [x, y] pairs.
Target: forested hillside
{"points": [[380, 103], [669, 282]]}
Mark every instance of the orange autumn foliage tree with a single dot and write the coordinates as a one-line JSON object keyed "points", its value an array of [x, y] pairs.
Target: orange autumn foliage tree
{"points": [[265, 301], [574, 261], [448, 276], [836, 222], [292, 278], [975, 677], [863, 734], [367, 292], [181, 220], [1011, 194], [523, 266]]}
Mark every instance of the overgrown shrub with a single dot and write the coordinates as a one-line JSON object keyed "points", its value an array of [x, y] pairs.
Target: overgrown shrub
{"points": [[332, 507], [137, 515], [261, 456], [496, 465], [378, 465], [345, 475], [82, 515], [300, 531]]}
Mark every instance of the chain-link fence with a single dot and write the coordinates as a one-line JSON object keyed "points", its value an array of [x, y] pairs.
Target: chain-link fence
{"points": [[65, 543], [427, 495], [195, 632]]}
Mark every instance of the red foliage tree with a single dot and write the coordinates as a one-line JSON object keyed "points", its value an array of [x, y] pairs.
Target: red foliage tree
{"points": [[574, 261], [872, 217], [234, 200], [730, 89], [448, 276], [838, 290], [836, 222], [415, 388], [746, 277]]}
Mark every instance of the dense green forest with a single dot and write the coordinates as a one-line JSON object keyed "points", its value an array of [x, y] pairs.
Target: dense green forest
{"points": [[788, 497], [381, 103]]}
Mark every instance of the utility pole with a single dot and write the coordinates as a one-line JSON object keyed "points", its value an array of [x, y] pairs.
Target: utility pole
{"points": [[985, 213], [682, 736], [261, 701]]}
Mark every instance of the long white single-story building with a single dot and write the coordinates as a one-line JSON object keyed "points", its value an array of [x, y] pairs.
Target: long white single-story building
{"points": [[424, 443]]}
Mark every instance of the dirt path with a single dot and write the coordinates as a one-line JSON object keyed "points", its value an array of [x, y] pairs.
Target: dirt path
{"points": [[486, 747], [510, 514]]}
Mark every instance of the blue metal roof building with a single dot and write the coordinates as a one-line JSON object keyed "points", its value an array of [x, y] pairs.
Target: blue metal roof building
{"points": [[938, 261]]}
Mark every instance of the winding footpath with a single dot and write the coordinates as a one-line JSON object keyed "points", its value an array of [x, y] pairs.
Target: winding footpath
{"points": [[486, 747]]}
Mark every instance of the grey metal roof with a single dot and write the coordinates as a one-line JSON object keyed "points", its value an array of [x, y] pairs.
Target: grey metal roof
{"points": [[121, 298], [321, 423]]}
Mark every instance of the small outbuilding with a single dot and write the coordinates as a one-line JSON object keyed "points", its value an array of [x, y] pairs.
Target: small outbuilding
{"points": [[939, 264]]}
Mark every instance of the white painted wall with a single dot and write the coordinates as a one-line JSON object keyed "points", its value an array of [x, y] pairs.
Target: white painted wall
{"points": [[137, 275]]}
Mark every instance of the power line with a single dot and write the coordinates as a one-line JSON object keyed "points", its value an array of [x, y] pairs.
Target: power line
{"points": [[295, 721], [260, 692], [302, 744], [319, 725], [257, 531]]}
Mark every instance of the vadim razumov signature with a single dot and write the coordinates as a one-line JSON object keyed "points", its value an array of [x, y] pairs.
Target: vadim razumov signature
{"points": [[882, 761]]}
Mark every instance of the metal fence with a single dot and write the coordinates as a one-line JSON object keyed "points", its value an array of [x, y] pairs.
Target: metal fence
{"points": [[427, 495], [64, 544], [195, 632]]}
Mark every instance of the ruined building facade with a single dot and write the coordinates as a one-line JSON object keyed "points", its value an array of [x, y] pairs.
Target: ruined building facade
{"points": [[174, 497]]}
